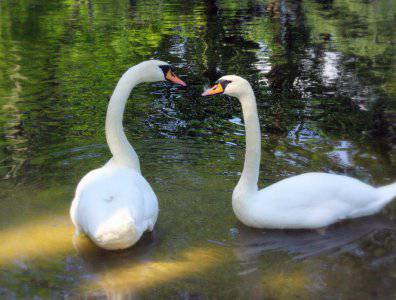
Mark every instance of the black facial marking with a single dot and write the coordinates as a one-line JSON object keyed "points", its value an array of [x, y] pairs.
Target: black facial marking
{"points": [[165, 69], [224, 83]]}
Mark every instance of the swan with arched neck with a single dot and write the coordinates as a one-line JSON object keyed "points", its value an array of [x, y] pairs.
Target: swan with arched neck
{"points": [[310, 200], [114, 205]]}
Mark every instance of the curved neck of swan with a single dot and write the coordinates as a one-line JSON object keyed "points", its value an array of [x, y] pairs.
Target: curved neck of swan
{"points": [[123, 152], [250, 174]]}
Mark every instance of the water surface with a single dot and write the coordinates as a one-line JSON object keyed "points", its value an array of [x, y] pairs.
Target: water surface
{"points": [[324, 76]]}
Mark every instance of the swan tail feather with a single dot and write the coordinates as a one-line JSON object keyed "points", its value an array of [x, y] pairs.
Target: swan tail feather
{"points": [[121, 233], [387, 193]]}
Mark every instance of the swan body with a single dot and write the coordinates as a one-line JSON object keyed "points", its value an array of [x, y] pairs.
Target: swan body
{"points": [[310, 200], [114, 205]]}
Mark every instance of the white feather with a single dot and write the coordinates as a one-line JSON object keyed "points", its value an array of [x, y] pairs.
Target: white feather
{"points": [[114, 205], [311, 200]]}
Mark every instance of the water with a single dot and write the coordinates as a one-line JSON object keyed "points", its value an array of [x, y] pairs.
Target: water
{"points": [[324, 76]]}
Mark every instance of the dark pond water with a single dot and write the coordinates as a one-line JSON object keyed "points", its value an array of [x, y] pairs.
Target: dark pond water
{"points": [[324, 75]]}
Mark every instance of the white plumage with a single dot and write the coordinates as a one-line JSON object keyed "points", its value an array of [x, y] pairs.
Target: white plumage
{"points": [[114, 205], [310, 200]]}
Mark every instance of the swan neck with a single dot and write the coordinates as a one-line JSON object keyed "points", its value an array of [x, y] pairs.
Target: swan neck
{"points": [[251, 167], [123, 152]]}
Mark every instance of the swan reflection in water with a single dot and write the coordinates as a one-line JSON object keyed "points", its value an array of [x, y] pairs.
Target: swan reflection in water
{"points": [[309, 263], [100, 263], [337, 239], [127, 273]]}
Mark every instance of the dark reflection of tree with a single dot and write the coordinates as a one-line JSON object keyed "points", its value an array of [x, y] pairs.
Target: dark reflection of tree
{"points": [[218, 49], [293, 36], [214, 36], [297, 72], [302, 73]]}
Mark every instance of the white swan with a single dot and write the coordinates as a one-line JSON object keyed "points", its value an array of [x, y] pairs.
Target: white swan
{"points": [[311, 200], [114, 205]]}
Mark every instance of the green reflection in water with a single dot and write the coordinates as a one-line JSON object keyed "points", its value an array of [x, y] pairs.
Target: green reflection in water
{"points": [[323, 72]]}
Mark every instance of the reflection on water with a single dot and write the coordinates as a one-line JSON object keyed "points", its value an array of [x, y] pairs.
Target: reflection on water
{"points": [[321, 260], [324, 77], [335, 240], [128, 272]]}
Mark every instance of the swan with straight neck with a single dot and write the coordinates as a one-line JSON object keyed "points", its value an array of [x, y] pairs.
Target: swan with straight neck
{"points": [[114, 205], [306, 201]]}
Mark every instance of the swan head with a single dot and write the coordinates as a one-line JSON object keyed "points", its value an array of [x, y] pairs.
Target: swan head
{"points": [[156, 70], [231, 85]]}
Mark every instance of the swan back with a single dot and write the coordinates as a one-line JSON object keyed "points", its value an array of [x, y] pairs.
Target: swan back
{"points": [[114, 206], [310, 200]]}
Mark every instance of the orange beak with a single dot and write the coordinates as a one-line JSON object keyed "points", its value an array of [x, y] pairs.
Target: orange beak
{"points": [[173, 78], [216, 89]]}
